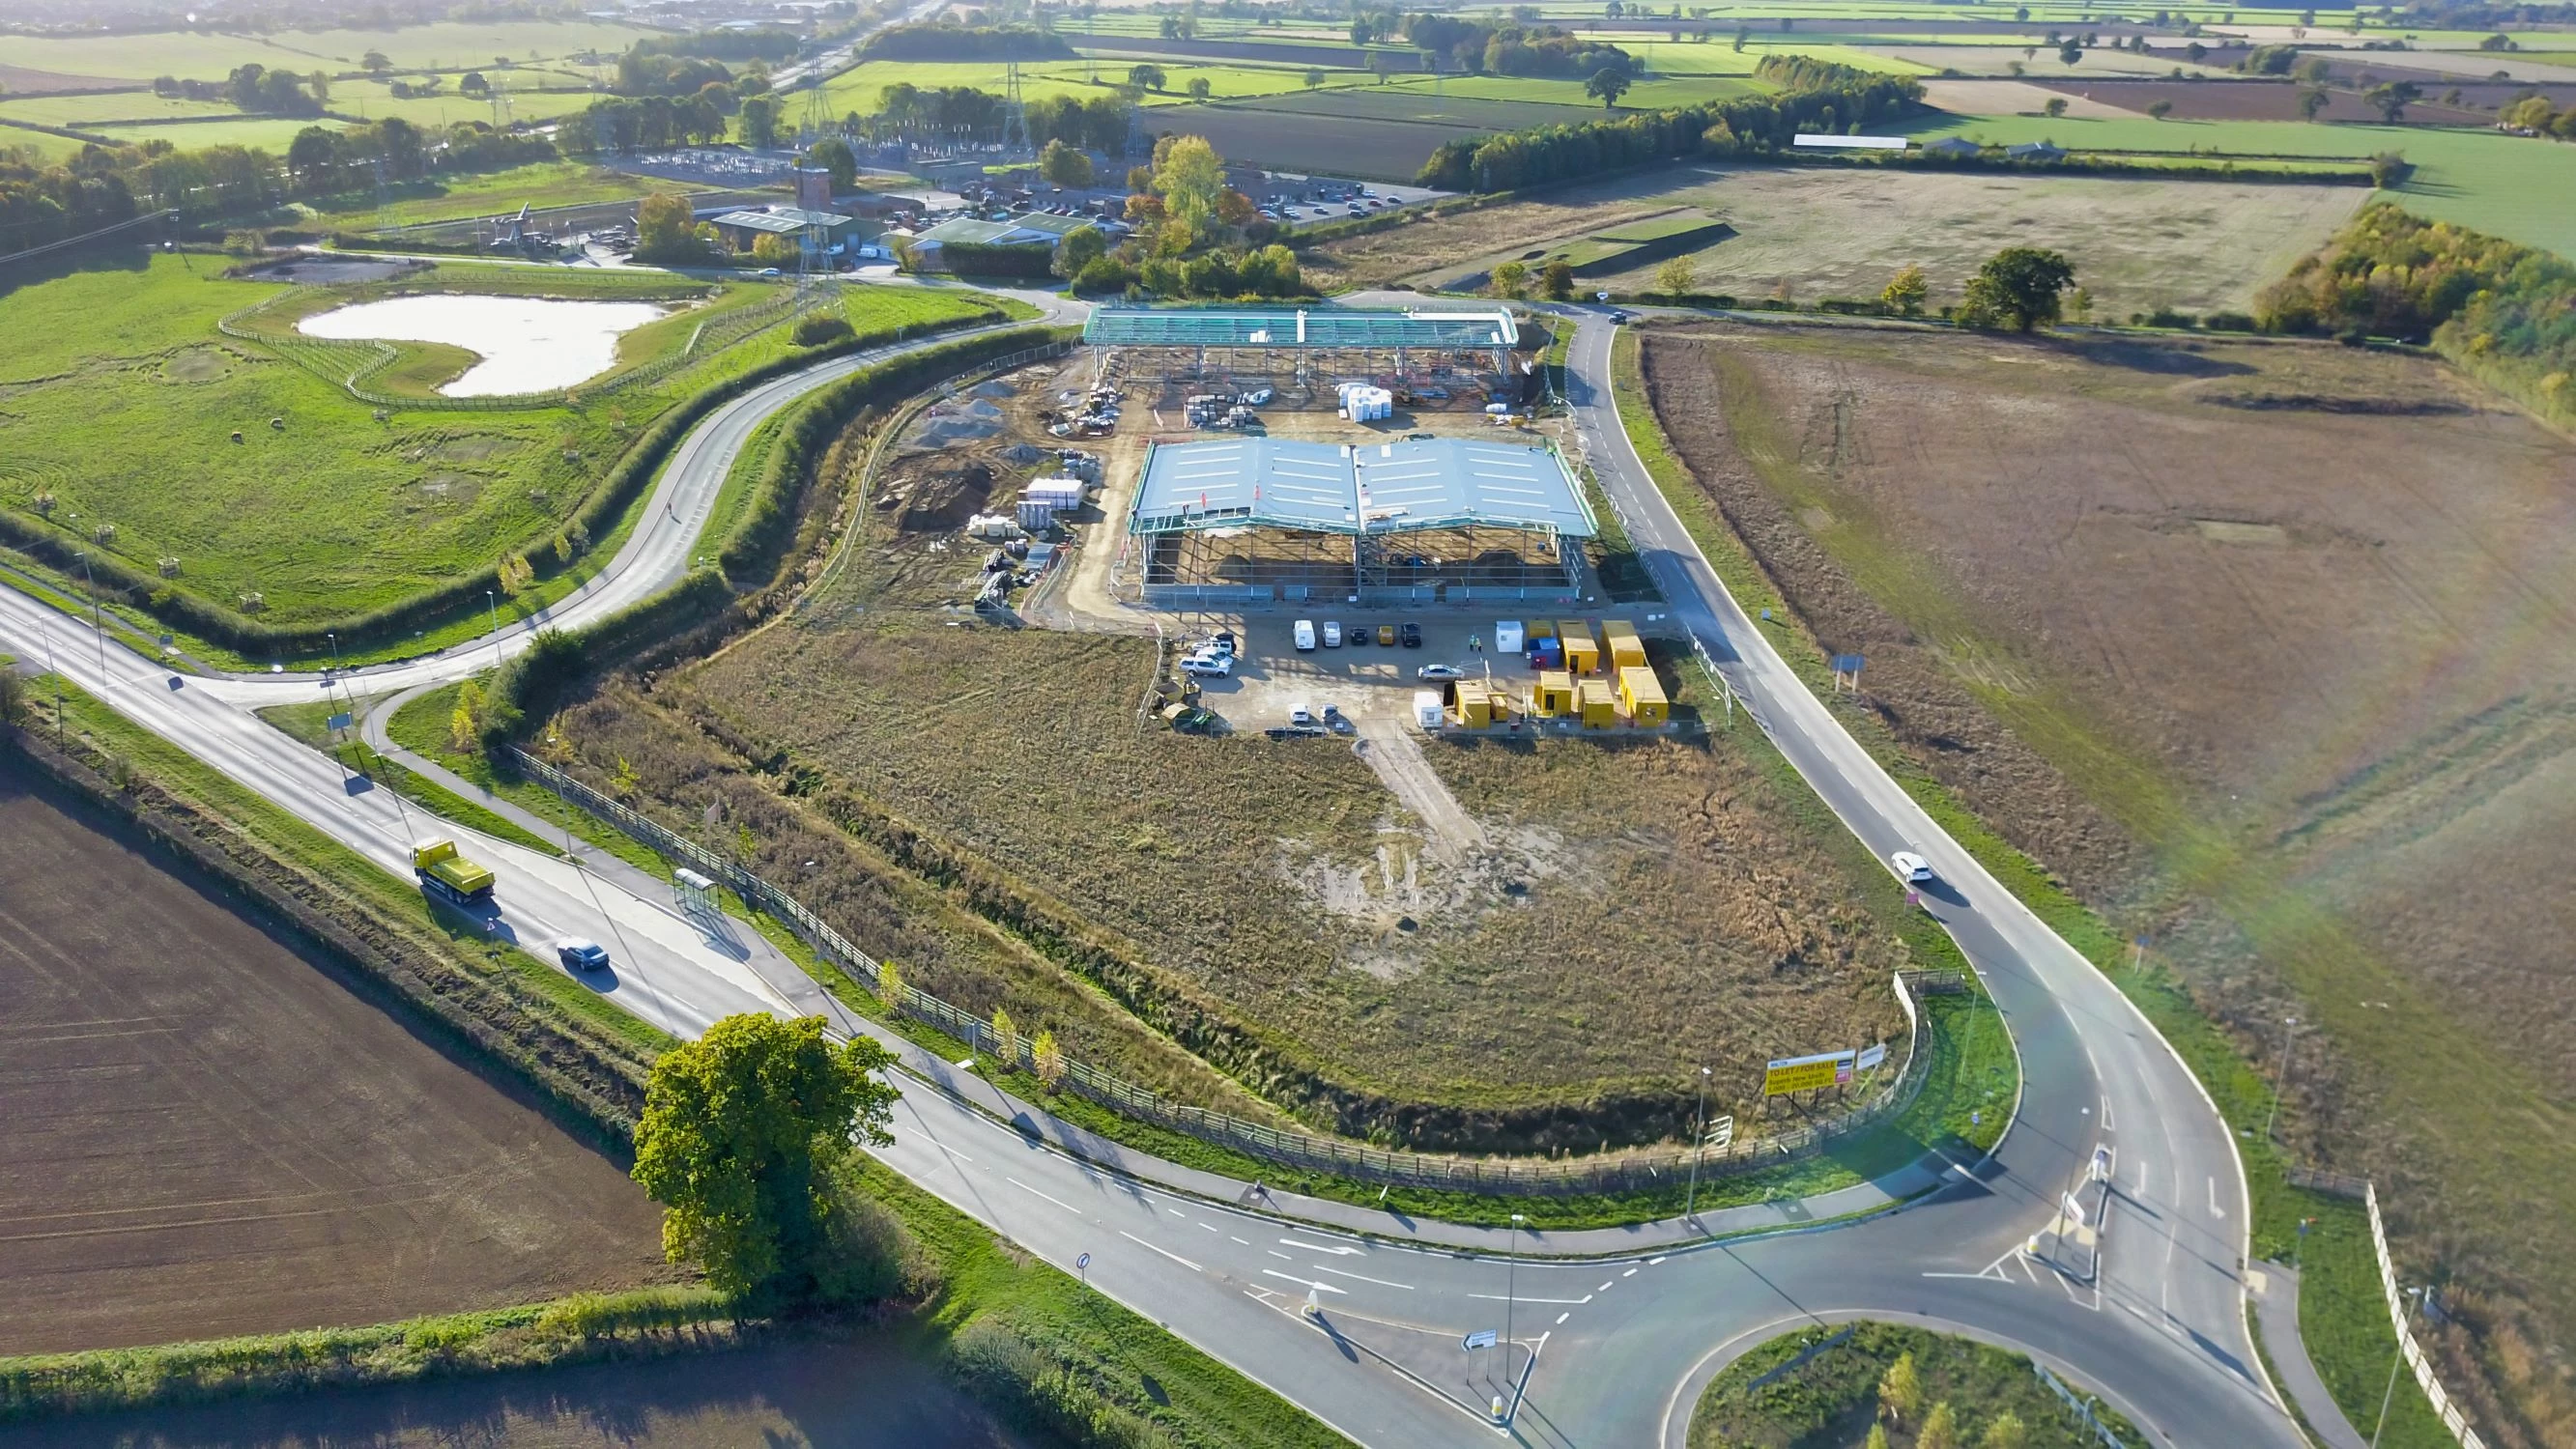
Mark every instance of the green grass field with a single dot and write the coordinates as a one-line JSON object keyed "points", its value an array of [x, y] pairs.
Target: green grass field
{"points": [[444, 46], [375, 100], [2505, 186], [91, 110], [272, 136], [859, 88], [554, 183], [38, 147], [123, 398]]}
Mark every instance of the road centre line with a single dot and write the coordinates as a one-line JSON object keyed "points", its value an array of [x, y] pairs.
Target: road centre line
{"points": [[1337, 1251], [1606, 1285], [1306, 1282], [1166, 1252], [1560, 1318], [1631, 1273], [1362, 1278], [944, 1147], [1211, 1227], [1282, 1257], [1502, 1297], [1232, 1238], [1050, 1197]]}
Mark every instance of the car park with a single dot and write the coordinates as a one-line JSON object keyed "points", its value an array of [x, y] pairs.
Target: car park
{"points": [[1911, 868], [1440, 671], [579, 953]]}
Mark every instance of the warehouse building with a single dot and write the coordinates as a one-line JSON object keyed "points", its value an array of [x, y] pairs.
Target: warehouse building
{"points": [[1304, 353], [1246, 522]]}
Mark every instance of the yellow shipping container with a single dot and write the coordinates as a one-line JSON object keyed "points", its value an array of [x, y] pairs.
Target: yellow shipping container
{"points": [[1619, 640], [1642, 695], [1582, 656], [1598, 705], [1555, 692]]}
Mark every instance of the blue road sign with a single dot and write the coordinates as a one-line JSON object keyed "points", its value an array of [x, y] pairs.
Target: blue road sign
{"points": [[1082, 1262], [1481, 1338], [339, 721]]}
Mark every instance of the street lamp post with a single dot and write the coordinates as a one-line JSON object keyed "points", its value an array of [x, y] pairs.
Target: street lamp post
{"points": [[2281, 1078], [2413, 1297], [1511, 1296], [96, 621], [494, 605], [1699, 1145]]}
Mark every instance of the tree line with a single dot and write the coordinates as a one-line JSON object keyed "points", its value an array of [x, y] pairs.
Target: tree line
{"points": [[1479, 47], [1751, 125], [2501, 310], [960, 42]]}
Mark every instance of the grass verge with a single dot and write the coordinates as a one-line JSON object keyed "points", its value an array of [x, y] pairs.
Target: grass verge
{"points": [[1821, 1385]]}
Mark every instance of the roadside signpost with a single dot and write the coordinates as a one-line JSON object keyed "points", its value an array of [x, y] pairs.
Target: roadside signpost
{"points": [[1481, 1338], [1082, 1265], [1806, 1074]]}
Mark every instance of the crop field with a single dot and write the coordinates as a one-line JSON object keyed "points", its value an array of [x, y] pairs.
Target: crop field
{"points": [[2245, 101], [1327, 145], [1828, 232], [2305, 726], [443, 46], [374, 101], [122, 399], [210, 1135], [1417, 103], [2040, 61]]}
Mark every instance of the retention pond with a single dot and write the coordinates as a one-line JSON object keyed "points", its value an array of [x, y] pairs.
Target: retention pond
{"points": [[527, 344]]}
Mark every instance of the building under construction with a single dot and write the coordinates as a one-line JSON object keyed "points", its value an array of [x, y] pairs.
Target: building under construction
{"points": [[1246, 522], [1302, 353]]}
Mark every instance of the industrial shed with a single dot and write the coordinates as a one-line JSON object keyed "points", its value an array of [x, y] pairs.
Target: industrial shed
{"points": [[1302, 352], [1255, 520]]}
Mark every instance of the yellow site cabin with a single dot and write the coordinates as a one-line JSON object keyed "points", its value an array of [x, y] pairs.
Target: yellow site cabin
{"points": [[1619, 640], [1555, 693], [1475, 704], [1599, 706], [1642, 696], [1582, 656]]}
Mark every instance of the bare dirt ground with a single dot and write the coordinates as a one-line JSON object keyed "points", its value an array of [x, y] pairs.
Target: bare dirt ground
{"points": [[798, 1395], [1811, 233], [2268, 649], [207, 1134], [2009, 98]]}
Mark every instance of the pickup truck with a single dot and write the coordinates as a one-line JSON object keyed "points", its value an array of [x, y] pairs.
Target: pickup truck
{"points": [[450, 876]]}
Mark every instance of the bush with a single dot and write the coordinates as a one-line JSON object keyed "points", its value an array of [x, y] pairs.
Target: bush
{"points": [[821, 328]]}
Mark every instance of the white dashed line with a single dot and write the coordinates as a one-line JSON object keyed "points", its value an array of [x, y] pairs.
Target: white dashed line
{"points": [[1050, 1197], [1306, 1282], [1232, 1238], [1211, 1227], [1334, 1249], [1631, 1273], [1560, 1318], [1501, 1297], [951, 1151], [1166, 1252], [1604, 1288], [1363, 1278], [1282, 1257]]}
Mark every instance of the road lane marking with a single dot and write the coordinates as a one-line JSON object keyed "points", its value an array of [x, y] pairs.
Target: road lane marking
{"points": [[1304, 1282], [1211, 1227], [1362, 1278], [1651, 1262], [1166, 1252], [2214, 1209], [1231, 1237], [1282, 1257], [1560, 1318], [951, 1151], [1605, 1287], [1336, 1250], [1515, 1298], [1050, 1197], [1631, 1273], [1176, 1212]]}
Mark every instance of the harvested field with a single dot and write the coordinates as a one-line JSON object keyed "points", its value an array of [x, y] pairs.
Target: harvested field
{"points": [[2011, 98], [1331, 145], [2231, 101], [209, 1134], [1417, 102], [1831, 233], [2268, 650]]}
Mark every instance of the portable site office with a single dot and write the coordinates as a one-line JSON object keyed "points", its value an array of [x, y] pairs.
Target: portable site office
{"points": [[1582, 656]]}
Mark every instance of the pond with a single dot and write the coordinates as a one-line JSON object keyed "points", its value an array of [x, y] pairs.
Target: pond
{"points": [[527, 344]]}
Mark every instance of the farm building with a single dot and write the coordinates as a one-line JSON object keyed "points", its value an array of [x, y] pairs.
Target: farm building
{"points": [[1306, 353], [1252, 520], [741, 229]]}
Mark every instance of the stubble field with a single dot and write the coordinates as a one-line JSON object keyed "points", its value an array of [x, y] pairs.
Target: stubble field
{"points": [[2266, 648], [1820, 232], [208, 1134]]}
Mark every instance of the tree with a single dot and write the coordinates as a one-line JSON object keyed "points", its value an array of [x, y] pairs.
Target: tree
{"points": [[1906, 292], [1511, 279], [760, 121], [2017, 290], [1877, 1437], [1140, 179], [1900, 1390], [2056, 106], [2006, 1432], [834, 155], [1314, 78], [2312, 99], [742, 1131], [374, 63], [1742, 33], [1556, 280], [1188, 175], [890, 983], [1201, 88], [2389, 170], [474, 84], [1235, 209], [1607, 86], [665, 229], [464, 724], [1049, 1060], [13, 697], [2158, 110], [1064, 165], [1080, 248], [319, 83], [1145, 77], [2391, 98], [1006, 1037], [1940, 1429], [772, 250], [2070, 53], [1677, 277]]}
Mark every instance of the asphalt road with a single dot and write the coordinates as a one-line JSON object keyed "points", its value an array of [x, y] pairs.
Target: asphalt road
{"points": [[1600, 1353]]}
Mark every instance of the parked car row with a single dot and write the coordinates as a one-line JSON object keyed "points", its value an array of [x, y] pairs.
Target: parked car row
{"points": [[1334, 634]]}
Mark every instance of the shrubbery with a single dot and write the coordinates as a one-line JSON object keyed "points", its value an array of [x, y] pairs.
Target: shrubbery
{"points": [[1751, 125]]}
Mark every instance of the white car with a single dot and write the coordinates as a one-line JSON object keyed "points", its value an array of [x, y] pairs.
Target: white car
{"points": [[1305, 634], [1301, 714], [1332, 634], [1440, 671], [1219, 665], [1911, 868]]}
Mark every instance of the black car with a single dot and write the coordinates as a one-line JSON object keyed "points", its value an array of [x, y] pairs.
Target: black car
{"points": [[1409, 635]]}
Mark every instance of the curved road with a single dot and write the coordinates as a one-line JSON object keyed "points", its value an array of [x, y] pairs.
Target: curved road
{"points": [[1603, 1352]]}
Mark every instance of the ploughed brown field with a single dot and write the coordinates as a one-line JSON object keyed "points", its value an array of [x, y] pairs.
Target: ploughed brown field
{"points": [[207, 1134], [2270, 649], [2253, 101]]}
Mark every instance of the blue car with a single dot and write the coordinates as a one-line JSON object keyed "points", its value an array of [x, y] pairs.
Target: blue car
{"points": [[578, 954]]}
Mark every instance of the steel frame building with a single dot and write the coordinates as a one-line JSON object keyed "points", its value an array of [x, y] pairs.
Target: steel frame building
{"points": [[1304, 349], [1256, 520]]}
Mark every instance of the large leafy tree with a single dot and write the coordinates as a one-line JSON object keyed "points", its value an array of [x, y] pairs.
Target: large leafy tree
{"points": [[1190, 176], [741, 1134], [834, 155], [2018, 289]]}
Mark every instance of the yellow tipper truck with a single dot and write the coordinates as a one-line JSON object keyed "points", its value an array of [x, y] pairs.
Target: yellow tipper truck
{"points": [[448, 875]]}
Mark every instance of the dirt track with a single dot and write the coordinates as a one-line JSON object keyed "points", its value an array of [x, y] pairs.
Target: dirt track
{"points": [[207, 1134]]}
